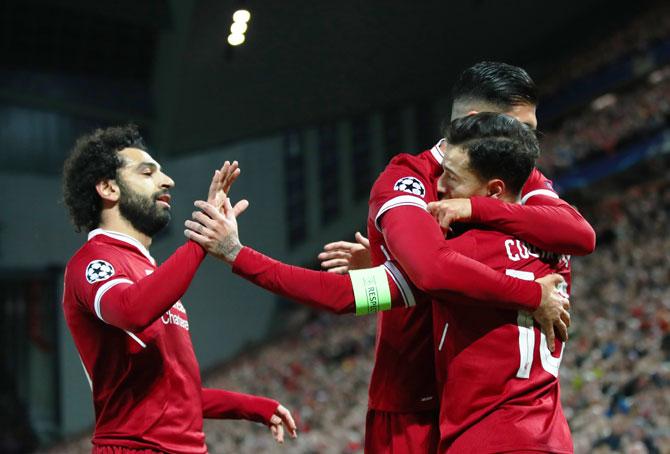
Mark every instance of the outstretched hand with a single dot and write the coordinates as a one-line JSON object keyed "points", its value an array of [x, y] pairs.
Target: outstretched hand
{"points": [[342, 256], [216, 229], [222, 182], [280, 420]]}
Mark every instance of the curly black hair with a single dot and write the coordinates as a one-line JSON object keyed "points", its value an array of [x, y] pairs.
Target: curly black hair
{"points": [[94, 158]]}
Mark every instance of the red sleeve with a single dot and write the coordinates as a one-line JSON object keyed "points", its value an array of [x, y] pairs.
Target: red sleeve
{"points": [[416, 242], [222, 404], [550, 223], [134, 306], [318, 289]]}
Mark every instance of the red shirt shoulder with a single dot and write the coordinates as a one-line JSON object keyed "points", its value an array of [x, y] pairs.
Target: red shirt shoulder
{"points": [[406, 180], [537, 185]]}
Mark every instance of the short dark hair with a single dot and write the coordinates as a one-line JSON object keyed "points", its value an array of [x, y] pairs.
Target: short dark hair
{"points": [[94, 158], [499, 146], [495, 83]]}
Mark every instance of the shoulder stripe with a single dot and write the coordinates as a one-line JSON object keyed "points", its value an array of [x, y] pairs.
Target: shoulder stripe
{"points": [[104, 289], [402, 200], [544, 192], [401, 282]]}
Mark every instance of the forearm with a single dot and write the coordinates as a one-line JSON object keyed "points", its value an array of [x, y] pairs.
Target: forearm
{"points": [[222, 404], [416, 242], [318, 289], [135, 306], [548, 223]]}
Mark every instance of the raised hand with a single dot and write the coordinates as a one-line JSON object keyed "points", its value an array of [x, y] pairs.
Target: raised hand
{"points": [[222, 182]]}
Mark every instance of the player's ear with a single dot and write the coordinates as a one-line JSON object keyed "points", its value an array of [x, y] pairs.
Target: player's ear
{"points": [[108, 190], [495, 188]]}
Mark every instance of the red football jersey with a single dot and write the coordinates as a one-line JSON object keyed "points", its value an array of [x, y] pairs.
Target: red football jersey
{"points": [[146, 385], [499, 382], [403, 378], [402, 346]]}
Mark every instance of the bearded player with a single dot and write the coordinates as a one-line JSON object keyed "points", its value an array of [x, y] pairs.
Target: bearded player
{"points": [[124, 312]]}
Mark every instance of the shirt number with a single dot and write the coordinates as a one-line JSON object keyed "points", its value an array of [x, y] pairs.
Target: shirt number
{"points": [[527, 338]]}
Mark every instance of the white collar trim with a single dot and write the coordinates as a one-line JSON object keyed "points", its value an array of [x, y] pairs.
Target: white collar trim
{"points": [[125, 238], [437, 153]]}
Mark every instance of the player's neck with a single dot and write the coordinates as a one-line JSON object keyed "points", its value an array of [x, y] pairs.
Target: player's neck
{"points": [[117, 223], [510, 198]]}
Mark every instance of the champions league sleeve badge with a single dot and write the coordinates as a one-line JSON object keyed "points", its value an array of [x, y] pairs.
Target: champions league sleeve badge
{"points": [[99, 270], [411, 185]]}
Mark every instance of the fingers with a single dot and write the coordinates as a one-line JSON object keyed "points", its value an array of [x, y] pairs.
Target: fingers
{"points": [[240, 207], [549, 332], [363, 241], [433, 207], [192, 235], [202, 219], [277, 433], [214, 185], [196, 227], [229, 176], [345, 245], [339, 269], [209, 210], [227, 208], [445, 220], [287, 418], [328, 264], [338, 254], [562, 332], [565, 318]]}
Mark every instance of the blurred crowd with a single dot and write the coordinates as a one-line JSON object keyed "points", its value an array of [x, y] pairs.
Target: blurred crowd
{"points": [[621, 119], [615, 375], [616, 118], [635, 37]]}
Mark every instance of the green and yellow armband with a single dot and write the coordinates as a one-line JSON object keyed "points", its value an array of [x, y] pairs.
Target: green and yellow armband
{"points": [[371, 290]]}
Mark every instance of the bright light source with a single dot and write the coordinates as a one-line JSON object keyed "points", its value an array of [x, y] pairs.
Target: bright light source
{"points": [[241, 15], [235, 39], [238, 28]]}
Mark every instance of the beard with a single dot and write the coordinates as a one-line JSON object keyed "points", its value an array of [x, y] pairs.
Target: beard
{"points": [[143, 213]]}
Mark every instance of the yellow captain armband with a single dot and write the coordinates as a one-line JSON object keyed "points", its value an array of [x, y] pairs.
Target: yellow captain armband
{"points": [[371, 290]]}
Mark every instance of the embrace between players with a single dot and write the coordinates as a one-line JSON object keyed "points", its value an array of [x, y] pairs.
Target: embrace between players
{"points": [[471, 327]]}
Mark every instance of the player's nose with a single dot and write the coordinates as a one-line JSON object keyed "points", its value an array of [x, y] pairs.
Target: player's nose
{"points": [[166, 182]]}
